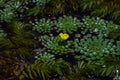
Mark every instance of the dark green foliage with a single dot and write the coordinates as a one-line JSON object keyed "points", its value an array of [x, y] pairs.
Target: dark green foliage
{"points": [[53, 7], [115, 34], [84, 70], [45, 57], [64, 6], [118, 48], [2, 2], [111, 65], [45, 70], [19, 40], [34, 11], [88, 70], [103, 8]]}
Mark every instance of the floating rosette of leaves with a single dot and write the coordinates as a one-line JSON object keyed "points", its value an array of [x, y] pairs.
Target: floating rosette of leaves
{"points": [[40, 2], [43, 25], [2, 34], [67, 24], [94, 48], [56, 45], [97, 25], [45, 57]]}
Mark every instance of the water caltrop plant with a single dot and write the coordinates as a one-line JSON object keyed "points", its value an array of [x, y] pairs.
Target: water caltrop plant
{"points": [[91, 43], [94, 47], [98, 25], [67, 24], [43, 26]]}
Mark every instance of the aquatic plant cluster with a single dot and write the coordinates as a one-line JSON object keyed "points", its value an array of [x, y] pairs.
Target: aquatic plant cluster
{"points": [[40, 43], [94, 44], [43, 26]]}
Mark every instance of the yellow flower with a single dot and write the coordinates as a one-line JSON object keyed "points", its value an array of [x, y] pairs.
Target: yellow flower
{"points": [[64, 36]]}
